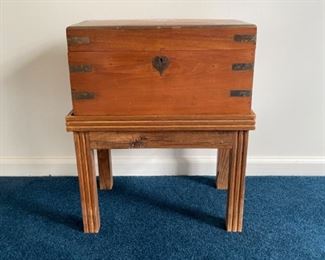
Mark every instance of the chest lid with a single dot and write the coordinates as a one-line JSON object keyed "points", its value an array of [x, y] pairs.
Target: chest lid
{"points": [[105, 35]]}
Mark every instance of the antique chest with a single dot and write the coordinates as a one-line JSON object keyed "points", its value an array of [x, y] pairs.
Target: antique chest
{"points": [[161, 84], [161, 68]]}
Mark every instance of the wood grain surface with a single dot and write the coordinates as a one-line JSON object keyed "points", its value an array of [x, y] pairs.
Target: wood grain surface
{"points": [[175, 139], [87, 183], [196, 83], [236, 187], [160, 123], [105, 169], [223, 162], [105, 38]]}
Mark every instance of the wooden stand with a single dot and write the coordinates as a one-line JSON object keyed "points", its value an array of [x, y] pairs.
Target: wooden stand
{"points": [[227, 133]]}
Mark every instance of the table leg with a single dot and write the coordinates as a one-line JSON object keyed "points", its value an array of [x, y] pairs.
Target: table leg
{"points": [[105, 169], [236, 187], [87, 183], [222, 169]]}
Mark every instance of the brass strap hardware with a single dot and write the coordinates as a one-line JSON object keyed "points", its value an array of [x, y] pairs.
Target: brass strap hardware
{"points": [[78, 40], [240, 93], [80, 95], [81, 68], [243, 66], [245, 38]]}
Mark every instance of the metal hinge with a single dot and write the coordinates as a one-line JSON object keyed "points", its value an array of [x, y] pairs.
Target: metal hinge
{"points": [[245, 38], [80, 95], [78, 40], [81, 68], [240, 93], [243, 66]]}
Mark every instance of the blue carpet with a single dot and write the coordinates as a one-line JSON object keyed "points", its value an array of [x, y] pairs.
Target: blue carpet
{"points": [[162, 218]]}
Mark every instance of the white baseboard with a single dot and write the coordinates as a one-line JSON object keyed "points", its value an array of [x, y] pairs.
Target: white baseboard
{"points": [[156, 166]]}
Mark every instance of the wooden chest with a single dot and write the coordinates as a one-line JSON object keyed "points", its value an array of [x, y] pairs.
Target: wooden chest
{"points": [[161, 68], [161, 84]]}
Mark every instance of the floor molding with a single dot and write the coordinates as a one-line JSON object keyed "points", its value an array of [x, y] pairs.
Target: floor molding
{"points": [[154, 166]]}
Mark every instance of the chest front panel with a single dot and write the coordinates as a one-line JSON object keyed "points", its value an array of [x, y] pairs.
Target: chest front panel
{"points": [[191, 70]]}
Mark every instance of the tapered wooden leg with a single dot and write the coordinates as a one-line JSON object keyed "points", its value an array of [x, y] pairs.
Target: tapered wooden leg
{"points": [[236, 187], [105, 169], [222, 169], [87, 183]]}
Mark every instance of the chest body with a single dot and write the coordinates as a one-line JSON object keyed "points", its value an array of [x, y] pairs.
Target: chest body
{"points": [[175, 68]]}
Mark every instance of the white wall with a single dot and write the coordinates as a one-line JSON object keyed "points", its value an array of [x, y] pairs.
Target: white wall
{"points": [[288, 96]]}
